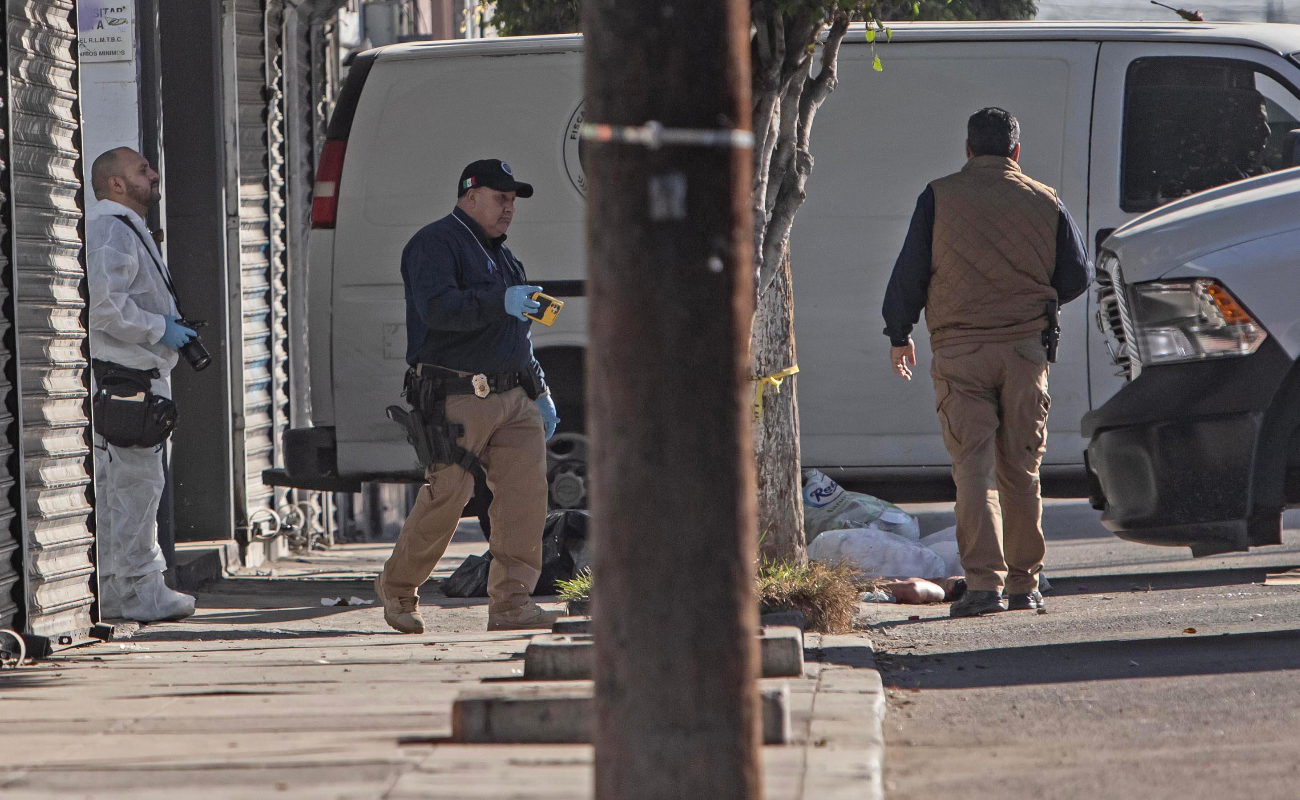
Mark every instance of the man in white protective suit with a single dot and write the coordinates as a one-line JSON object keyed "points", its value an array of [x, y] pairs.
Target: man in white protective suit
{"points": [[134, 324]]}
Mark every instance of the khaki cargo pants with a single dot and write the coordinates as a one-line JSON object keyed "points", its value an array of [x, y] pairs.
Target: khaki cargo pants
{"points": [[992, 401], [505, 432]]}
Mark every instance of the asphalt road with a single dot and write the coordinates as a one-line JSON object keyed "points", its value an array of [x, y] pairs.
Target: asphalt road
{"points": [[1152, 676]]}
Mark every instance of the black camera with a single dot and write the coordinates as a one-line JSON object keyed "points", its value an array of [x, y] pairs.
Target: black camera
{"points": [[194, 351]]}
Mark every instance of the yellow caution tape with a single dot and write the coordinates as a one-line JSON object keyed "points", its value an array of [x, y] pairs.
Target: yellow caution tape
{"points": [[775, 380]]}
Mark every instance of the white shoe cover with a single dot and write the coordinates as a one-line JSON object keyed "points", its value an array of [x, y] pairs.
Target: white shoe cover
{"points": [[113, 591], [149, 600]]}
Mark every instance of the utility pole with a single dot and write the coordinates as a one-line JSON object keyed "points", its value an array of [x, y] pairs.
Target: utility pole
{"points": [[669, 240]]}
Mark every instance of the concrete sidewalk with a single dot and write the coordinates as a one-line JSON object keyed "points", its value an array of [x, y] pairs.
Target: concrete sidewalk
{"points": [[267, 693]]}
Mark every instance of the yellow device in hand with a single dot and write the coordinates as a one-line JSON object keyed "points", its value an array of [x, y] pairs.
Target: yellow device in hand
{"points": [[549, 311]]}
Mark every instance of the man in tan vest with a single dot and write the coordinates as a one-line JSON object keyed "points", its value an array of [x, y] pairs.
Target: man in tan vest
{"points": [[988, 251]]}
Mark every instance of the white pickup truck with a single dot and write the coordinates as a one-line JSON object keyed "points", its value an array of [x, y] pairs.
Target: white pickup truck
{"points": [[1200, 302]]}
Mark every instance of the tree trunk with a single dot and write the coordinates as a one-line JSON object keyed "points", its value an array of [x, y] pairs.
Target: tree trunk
{"points": [[776, 433]]}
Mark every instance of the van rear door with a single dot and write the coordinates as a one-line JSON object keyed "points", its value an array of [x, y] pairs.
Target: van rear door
{"points": [[1173, 119], [426, 112]]}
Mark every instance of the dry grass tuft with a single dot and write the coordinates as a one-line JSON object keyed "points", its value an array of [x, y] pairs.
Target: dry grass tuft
{"points": [[826, 595]]}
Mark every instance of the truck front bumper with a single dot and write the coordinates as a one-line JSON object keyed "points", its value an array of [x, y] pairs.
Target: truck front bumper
{"points": [[1172, 457]]}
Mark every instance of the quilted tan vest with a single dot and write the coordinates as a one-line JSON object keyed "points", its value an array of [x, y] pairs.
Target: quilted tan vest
{"points": [[992, 256]]}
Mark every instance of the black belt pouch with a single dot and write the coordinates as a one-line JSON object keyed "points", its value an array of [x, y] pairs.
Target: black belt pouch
{"points": [[127, 412]]}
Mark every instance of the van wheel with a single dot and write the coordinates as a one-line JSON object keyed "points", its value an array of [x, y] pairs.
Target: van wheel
{"points": [[566, 470]]}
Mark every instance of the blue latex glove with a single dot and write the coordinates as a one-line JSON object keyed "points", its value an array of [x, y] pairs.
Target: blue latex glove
{"points": [[176, 336], [549, 416], [519, 303]]}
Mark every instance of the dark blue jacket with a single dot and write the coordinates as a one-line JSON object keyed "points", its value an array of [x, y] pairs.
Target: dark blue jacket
{"points": [[909, 286], [456, 280]]}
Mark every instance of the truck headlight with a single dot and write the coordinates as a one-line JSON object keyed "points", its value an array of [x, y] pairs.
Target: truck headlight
{"points": [[1188, 320]]}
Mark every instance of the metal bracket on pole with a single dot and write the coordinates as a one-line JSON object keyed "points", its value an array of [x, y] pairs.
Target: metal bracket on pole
{"points": [[654, 135]]}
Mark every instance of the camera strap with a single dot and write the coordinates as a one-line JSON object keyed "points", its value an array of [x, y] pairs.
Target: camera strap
{"points": [[162, 269]]}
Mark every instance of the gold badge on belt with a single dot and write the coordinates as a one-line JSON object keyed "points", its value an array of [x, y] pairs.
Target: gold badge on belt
{"points": [[481, 388]]}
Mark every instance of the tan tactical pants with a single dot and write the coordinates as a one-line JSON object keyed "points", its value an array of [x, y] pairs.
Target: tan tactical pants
{"points": [[505, 432], [992, 401]]}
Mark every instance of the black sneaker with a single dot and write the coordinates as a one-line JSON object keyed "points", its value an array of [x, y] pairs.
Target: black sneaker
{"points": [[1025, 602], [974, 603]]}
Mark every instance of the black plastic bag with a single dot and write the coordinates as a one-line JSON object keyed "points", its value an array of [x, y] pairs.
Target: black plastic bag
{"points": [[470, 579], [564, 554], [563, 546]]}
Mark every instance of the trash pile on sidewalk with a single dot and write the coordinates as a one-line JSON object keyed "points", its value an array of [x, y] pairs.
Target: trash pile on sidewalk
{"points": [[566, 552], [882, 543]]}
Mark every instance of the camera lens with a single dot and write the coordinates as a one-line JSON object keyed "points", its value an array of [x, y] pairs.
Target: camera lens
{"points": [[196, 354]]}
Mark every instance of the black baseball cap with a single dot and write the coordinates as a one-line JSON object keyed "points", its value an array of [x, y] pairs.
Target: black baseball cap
{"points": [[494, 174]]}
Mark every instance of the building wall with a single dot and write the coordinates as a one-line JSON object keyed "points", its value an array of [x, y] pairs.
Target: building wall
{"points": [[110, 106], [44, 200], [110, 103]]}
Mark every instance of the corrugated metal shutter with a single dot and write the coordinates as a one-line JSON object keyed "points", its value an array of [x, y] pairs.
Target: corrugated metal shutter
{"points": [[45, 193], [11, 521], [305, 80], [262, 321]]}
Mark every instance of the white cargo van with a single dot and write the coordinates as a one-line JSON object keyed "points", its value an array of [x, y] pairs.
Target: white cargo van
{"points": [[1200, 302], [1120, 118]]}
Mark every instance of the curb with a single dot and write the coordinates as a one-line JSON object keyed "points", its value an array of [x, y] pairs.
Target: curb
{"points": [[846, 742], [563, 712]]}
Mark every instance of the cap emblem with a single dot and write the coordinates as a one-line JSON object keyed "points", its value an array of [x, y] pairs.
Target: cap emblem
{"points": [[506, 169]]}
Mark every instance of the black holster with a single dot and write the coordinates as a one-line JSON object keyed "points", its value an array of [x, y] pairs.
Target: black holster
{"points": [[428, 430], [532, 381], [126, 411], [1052, 333]]}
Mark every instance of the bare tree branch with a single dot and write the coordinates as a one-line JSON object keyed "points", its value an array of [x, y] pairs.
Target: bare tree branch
{"points": [[770, 26], [788, 195], [794, 67], [787, 141], [819, 88], [769, 53], [774, 160]]}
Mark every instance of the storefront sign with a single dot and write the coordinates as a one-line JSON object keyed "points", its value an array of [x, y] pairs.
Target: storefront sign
{"points": [[106, 30]]}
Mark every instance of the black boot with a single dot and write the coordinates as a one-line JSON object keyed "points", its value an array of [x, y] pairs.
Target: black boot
{"points": [[1025, 602]]}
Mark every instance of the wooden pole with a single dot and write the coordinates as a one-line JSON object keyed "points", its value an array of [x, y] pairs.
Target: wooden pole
{"points": [[670, 287]]}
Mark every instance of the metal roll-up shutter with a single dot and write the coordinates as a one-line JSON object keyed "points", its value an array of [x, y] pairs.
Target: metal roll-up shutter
{"points": [[45, 191], [262, 316], [11, 520], [310, 82]]}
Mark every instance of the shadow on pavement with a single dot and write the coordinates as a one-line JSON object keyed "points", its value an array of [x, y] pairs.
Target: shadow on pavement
{"points": [[303, 595], [199, 634], [296, 593], [270, 616], [1063, 585], [29, 678], [1095, 661]]}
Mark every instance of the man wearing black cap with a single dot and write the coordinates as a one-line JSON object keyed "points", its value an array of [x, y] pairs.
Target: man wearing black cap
{"points": [[483, 397]]}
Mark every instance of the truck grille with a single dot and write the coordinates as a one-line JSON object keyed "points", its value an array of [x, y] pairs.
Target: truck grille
{"points": [[1114, 318]]}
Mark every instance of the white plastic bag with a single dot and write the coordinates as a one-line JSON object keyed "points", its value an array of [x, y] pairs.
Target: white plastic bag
{"points": [[827, 506], [876, 553], [944, 543], [896, 520]]}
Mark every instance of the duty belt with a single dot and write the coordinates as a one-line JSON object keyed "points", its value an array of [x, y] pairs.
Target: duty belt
{"points": [[480, 385]]}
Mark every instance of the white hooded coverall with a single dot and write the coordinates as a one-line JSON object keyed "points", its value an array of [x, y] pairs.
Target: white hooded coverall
{"points": [[128, 302]]}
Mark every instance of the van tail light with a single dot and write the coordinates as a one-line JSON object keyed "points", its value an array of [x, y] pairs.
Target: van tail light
{"points": [[325, 196]]}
